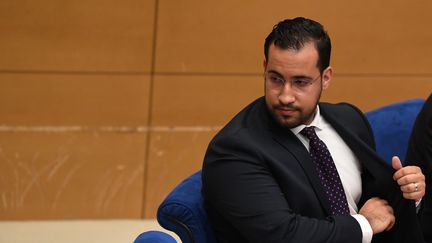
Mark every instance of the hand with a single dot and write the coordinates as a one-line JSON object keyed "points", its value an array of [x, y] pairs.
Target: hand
{"points": [[379, 214], [410, 179]]}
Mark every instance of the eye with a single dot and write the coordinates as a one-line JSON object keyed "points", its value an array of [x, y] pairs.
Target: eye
{"points": [[301, 82], [276, 79]]}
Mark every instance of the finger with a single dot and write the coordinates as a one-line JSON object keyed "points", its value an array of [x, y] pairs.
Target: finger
{"points": [[410, 178], [414, 195], [390, 209], [375, 199], [392, 222], [410, 169], [391, 219], [382, 202], [413, 187], [406, 188], [409, 188], [406, 171], [396, 163]]}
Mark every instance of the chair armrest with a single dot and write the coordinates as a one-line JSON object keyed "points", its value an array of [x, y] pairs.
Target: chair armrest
{"points": [[154, 237], [183, 212]]}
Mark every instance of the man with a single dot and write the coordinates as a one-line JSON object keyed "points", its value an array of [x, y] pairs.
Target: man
{"points": [[267, 179], [420, 152]]}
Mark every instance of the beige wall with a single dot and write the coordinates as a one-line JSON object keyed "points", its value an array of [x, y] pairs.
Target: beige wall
{"points": [[106, 105]]}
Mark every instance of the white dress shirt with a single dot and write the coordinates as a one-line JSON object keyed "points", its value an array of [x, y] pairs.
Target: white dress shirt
{"points": [[347, 165]]}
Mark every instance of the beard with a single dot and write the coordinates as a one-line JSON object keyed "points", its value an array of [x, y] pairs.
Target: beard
{"points": [[290, 116]]}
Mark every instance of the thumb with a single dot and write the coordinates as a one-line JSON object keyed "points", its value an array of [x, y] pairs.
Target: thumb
{"points": [[396, 163]]}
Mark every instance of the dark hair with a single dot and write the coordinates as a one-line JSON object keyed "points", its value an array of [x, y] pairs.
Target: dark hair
{"points": [[295, 33]]}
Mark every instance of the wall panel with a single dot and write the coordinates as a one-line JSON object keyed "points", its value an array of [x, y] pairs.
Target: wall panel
{"points": [[71, 175], [74, 100], [83, 35], [227, 37], [375, 91], [174, 155], [193, 100]]}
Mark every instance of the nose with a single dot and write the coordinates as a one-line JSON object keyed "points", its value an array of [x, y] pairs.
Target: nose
{"points": [[287, 94]]}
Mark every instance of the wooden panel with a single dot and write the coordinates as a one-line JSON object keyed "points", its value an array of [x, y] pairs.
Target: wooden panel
{"points": [[71, 175], [372, 92], [82, 35], [174, 155], [82, 100], [202, 100], [211, 38], [368, 36], [386, 37]]}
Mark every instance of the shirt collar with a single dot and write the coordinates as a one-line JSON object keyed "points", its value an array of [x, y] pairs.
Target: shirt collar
{"points": [[316, 122]]}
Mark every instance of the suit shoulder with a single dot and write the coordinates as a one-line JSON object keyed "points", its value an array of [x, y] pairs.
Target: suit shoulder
{"points": [[344, 112], [242, 133], [349, 117], [243, 119], [341, 107]]}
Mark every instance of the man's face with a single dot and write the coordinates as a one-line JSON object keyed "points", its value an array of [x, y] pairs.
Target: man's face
{"points": [[293, 84]]}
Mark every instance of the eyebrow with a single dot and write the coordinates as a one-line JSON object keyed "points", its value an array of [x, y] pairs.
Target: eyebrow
{"points": [[302, 77], [274, 72], [294, 77]]}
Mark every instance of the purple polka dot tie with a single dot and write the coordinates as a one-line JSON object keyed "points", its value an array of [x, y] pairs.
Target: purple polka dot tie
{"points": [[327, 173]]}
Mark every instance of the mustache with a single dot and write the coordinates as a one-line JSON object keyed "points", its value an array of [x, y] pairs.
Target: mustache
{"points": [[286, 107]]}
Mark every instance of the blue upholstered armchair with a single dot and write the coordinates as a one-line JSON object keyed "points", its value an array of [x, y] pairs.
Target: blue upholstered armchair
{"points": [[183, 213]]}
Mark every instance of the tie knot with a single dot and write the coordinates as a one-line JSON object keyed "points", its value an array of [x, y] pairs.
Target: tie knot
{"points": [[309, 132]]}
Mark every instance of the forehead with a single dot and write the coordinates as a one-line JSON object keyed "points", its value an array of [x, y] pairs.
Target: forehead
{"points": [[285, 60]]}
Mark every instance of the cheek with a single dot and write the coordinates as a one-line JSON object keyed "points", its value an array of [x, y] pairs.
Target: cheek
{"points": [[308, 101], [270, 94]]}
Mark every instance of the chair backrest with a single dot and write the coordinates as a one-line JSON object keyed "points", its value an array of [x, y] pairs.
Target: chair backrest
{"points": [[392, 125], [183, 210]]}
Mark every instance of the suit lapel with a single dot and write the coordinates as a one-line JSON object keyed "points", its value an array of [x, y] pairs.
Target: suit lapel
{"points": [[294, 146], [376, 173], [366, 155], [364, 152], [379, 182]]}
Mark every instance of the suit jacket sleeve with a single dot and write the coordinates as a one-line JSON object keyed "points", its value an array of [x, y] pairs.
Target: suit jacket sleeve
{"points": [[420, 153]]}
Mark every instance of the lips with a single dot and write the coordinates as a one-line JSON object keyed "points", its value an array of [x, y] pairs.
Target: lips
{"points": [[286, 111]]}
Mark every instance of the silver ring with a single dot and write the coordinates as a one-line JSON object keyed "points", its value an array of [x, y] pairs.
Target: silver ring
{"points": [[415, 186]]}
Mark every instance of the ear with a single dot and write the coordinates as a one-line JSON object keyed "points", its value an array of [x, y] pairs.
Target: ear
{"points": [[326, 77], [264, 64]]}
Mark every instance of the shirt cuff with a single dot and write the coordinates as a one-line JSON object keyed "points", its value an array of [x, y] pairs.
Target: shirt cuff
{"points": [[417, 204], [365, 228]]}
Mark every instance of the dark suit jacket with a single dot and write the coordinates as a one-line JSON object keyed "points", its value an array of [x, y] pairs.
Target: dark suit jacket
{"points": [[260, 184], [420, 154]]}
